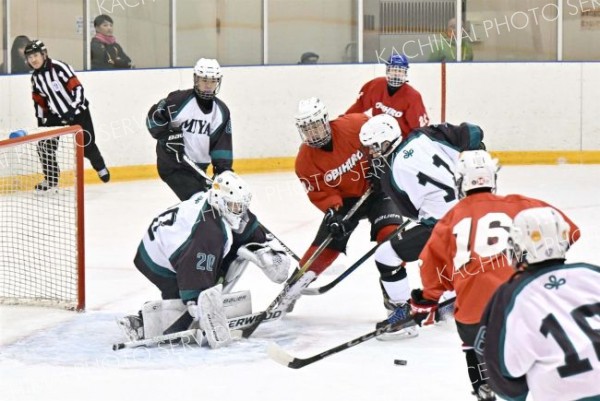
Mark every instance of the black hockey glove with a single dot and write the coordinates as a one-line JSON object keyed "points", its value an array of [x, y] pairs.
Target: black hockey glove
{"points": [[335, 224], [424, 311], [173, 144]]}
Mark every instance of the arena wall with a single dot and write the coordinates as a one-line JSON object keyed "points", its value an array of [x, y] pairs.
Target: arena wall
{"points": [[530, 112]]}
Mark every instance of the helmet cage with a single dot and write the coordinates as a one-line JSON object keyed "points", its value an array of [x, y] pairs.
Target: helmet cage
{"points": [[206, 87], [231, 197], [207, 78], [396, 75], [312, 122]]}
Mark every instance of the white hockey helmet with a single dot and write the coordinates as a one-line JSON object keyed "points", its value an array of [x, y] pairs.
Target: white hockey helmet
{"points": [[231, 197], [475, 169], [312, 121], [539, 234], [207, 78], [379, 134]]}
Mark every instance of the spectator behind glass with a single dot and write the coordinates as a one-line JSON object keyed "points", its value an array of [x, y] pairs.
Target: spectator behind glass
{"points": [[18, 62], [309, 58], [107, 54], [444, 48]]}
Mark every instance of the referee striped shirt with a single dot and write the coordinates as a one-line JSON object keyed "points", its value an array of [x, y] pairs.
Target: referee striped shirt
{"points": [[57, 90]]}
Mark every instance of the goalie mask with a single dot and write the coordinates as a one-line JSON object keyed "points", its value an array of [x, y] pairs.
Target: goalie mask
{"points": [[312, 121], [379, 134], [475, 169], [539, 234], [396, 70], [207, 78], [231, 197]]}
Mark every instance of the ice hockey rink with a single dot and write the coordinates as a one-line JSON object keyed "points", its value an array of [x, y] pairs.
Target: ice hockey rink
{"points": [[49, 354]]}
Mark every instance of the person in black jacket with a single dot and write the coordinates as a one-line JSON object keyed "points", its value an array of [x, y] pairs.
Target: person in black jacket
{"points": [[59, 99], [18, 64], [107, 54]]}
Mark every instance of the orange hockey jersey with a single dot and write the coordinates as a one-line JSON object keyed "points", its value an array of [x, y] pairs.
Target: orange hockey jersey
{"points": [[466, 251], [331, 176]]}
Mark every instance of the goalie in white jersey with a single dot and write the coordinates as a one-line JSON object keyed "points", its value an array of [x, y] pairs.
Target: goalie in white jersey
{"points": [[196, 250], [540, 330]]}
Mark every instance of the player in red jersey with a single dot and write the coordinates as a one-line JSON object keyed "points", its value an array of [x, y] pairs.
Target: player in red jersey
{"points": [[467, 253], [392, 95], [333, 166]]}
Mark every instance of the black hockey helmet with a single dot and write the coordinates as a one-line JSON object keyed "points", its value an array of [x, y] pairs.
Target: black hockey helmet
{"points": [[35, 46]]}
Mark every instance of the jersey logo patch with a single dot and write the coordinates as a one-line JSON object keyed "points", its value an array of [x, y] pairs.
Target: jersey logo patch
{"points": [[554, 283], [388, 110], [408, 153]]}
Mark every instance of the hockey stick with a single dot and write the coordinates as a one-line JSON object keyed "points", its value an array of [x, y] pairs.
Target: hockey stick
{"points": [[236, 324], [209, 180], [300, 273], [282, 357], [359, 262]]}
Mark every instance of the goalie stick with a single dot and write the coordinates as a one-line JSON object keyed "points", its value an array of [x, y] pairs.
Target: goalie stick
{"points": [[300, 273], [236, 325], [282, 357], [359, 262], [209, 180]]}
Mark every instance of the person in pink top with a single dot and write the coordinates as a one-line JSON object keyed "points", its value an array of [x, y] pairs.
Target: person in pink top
{"points": [[107, 54]]}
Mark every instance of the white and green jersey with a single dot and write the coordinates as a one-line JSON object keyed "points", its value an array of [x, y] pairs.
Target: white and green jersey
{"points": [[189, 241], [542, 334]]}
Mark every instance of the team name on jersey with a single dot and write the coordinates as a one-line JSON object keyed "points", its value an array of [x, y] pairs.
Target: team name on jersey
{"points": [[348, 165], [388, 110], [196, 127]]}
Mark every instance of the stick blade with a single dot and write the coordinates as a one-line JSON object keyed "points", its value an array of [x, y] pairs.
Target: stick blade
{"points": [[280, 356], [311, 291]]}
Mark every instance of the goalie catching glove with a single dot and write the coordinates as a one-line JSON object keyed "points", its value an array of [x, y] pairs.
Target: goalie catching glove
{"points": [[270, 257]]}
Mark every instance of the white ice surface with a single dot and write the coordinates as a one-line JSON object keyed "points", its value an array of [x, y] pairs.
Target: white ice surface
{"points": [[50, 354]]}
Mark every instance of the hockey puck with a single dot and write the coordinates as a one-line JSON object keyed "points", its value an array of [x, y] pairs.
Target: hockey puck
{"points": [[401, 362]]}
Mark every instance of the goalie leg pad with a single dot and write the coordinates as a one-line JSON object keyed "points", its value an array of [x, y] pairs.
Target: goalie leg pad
{"points": [[212, 317], [237, 304], [158, 316]]}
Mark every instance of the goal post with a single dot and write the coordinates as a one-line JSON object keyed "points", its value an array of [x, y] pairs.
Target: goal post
{"points": [[42, 255]]}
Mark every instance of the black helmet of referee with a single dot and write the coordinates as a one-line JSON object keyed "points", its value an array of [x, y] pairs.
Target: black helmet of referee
{"points": [[35, 46]]}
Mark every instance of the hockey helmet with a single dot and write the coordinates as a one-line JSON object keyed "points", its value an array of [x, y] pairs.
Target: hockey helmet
{"points": [[539, 234], [379, 134], [475, 169], [35, 46], [231, 197], [312, 121], [396, 70], [207, 78]]}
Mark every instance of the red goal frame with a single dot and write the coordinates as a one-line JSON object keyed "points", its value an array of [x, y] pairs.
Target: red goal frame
{"points": [[79, 191]]}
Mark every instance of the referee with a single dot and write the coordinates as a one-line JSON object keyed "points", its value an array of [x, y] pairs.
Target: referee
{"points": [[59, 99]]}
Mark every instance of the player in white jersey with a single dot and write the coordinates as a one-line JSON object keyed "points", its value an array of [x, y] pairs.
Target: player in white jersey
{"points": [[539, 332], [194, 123], [191, 249], [418, 174]]}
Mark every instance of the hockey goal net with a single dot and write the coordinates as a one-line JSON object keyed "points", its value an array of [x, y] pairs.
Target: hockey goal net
{"points": [[42, 232]]}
